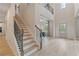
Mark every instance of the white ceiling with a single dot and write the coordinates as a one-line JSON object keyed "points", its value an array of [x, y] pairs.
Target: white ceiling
{"points": [[3, 9]]}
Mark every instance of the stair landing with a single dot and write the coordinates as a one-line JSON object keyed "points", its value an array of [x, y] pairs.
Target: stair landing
{"points": [[4, 47]]}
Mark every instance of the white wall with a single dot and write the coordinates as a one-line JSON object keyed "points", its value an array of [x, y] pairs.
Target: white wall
{"points": [[76, 5], [10, 30], [76, 13], [65, 16], [27, 12]]}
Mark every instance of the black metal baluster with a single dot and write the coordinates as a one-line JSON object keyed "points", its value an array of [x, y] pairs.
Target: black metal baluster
{"points": [[19, 37]]}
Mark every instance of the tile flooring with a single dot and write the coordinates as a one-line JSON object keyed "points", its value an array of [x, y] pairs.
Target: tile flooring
{"points": [[59, 47]]}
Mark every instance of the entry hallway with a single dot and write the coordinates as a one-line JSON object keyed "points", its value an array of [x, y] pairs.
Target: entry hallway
{"points": [[60, 47]]}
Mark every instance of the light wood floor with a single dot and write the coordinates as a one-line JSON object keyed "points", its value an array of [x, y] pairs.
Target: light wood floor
{"points": [[4, 47]]}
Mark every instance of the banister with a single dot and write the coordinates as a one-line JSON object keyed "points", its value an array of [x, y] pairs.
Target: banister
{"points": [[16, 22], [21, 29], [40, 30], [19, 35]]}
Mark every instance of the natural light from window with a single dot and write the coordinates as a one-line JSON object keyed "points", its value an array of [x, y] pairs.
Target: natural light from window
{"points": [[63, 5]]}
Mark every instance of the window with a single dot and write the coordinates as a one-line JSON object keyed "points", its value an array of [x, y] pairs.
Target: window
{"points": [[63, 5], [17, 8], [62, 28]]}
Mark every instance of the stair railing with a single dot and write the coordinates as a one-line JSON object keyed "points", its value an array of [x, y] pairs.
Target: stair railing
{"points": [[19, 36], [40, 33]]}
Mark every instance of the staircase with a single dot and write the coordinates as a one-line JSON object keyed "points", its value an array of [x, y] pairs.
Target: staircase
{"points": [[29, 44]]}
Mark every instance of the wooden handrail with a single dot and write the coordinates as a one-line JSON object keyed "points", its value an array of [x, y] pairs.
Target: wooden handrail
{"points": [[17, 23], [38, 28], [40, 36]]}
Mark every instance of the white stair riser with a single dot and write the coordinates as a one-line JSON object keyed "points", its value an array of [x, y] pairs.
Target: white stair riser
{"points": [[27, 33], [28, 46], [27, 41], [30, 52], [28, 37]]}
